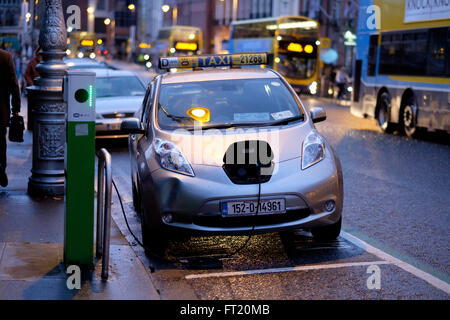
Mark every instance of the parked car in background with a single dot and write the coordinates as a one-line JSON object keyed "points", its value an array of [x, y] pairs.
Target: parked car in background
{"points": [[119, 94]]}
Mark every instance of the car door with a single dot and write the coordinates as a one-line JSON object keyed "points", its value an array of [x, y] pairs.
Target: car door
{"points": [[143, 141], [134, 138]]}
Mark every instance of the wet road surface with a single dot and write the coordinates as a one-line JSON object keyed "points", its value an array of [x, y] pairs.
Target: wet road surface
{"points": [[395, 218]]}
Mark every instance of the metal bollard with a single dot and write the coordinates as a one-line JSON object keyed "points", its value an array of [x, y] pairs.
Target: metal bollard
{"points": [[104, 191]]}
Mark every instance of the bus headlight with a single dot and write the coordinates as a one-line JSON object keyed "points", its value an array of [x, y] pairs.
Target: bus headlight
{"points": [[313, 87], [350, 89], [92, 55], [80, 55], [313, 150], [170, 158]]}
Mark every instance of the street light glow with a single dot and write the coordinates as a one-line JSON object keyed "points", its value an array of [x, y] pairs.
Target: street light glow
{"points": [[91, 10], [107, 21], [131, 7], [165, 8]]}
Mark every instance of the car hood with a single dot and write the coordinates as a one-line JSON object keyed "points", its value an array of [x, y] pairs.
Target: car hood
{"points": [[210, 147], [128, 104]]}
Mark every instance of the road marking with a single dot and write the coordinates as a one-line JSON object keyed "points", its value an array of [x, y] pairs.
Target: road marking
{"points": [[287, 269], [436, 282]]}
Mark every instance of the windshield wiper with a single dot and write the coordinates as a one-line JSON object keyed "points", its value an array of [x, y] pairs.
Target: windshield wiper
{"points": [[285, 121], [244, 124], [213, 126], [174, 117]]}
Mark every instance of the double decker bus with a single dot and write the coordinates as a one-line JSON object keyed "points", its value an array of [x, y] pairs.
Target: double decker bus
{"points": [[402, 67], [293, 41], [82, 44], [177, 40]]}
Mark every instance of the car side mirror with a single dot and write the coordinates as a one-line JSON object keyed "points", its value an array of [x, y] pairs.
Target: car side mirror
{"points": [[132, 126], [318, 114]]}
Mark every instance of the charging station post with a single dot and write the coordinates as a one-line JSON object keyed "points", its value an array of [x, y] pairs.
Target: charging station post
{"points": [[79, 94]]}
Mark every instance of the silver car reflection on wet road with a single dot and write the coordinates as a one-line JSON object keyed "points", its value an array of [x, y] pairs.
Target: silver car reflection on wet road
{"points": [[231, 152]]}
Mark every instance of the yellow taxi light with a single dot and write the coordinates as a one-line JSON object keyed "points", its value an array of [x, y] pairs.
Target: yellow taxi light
{"points": [[192, 46], [145, 45], [309, 48], [220, 60], [87, 43], [297, 47], [199, 114]]}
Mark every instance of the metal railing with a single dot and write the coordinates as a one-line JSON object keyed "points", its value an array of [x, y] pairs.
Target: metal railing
{"points": [[104, 209]]}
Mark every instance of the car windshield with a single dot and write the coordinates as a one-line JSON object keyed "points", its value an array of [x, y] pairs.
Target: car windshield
{"points": [[119, 86], [244, 102]]}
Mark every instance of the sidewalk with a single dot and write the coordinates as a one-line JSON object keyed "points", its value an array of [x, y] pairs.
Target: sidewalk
{"points": [[31, 245]]}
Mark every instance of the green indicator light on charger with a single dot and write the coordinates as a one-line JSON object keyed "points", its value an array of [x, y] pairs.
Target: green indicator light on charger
{"points": [[91, 95]]}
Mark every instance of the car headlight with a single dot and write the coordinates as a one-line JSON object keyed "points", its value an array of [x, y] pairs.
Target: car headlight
{"points": [[313, 150], [170, 158]]}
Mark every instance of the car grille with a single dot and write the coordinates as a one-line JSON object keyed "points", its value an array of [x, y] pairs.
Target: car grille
{"points": [[243, 160], [249, 221]]}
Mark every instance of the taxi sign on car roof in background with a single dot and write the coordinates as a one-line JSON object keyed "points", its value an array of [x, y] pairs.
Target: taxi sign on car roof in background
{"points": [[220, 60]]}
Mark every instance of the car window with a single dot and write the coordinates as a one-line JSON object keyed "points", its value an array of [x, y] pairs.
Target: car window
{"points": [[228, 101], [119, 86], [148, 103]]}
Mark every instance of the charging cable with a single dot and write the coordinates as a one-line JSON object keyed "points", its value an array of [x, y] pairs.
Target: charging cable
{"points": [[227, 256]]}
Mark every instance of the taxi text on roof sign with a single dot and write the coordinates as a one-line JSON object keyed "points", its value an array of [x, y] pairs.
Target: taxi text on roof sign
{"points": [[221, 60]]}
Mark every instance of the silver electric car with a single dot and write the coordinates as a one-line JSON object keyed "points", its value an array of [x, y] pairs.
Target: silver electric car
{"points": [[230, 151]]}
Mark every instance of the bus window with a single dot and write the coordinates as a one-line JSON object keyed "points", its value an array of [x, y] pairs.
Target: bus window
{"points": [[403, 53], [438, 51], [390, 54], [414, 53], [372, 62]]}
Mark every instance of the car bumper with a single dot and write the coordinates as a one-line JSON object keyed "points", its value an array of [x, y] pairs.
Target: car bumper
{"points": [[109, 128], [195, 202]]}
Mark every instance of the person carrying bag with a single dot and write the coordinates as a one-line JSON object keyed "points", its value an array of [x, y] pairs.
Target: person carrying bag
{"points": [[9, 96], [16, 127]]}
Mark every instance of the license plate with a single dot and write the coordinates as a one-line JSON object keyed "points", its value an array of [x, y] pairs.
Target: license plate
{"points": [[113, 126], [249, 207]]}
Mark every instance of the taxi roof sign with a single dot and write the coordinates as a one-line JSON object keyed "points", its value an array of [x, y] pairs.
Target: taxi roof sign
{"points": [[215, 60]]}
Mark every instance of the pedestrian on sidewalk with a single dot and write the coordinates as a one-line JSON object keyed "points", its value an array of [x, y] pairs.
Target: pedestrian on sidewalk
{"points": [[31, 72], [342, 80], [9, 87]]}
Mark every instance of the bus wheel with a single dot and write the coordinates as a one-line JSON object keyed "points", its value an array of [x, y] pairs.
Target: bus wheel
{"points": [[409, 119], [382, 114]]}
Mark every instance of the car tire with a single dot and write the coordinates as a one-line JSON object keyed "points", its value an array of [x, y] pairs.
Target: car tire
{"points": [[408, 118], [136, 198], [330, 232], [382, 114], [154, 237]]}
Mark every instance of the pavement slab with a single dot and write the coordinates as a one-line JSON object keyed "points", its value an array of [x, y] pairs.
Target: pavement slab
{"points": [[36, 271]]}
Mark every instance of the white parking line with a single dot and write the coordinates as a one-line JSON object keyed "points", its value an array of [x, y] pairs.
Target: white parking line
{"points": [[435, 282], [287, 269]]}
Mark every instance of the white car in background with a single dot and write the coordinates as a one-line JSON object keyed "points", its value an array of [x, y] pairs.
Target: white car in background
{"points": [[119, 94], [85, 63]]}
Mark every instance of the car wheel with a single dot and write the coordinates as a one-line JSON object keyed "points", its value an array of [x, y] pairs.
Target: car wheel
{"points": [[154, 237], [382, 114], [408, 118], [330, 232]]}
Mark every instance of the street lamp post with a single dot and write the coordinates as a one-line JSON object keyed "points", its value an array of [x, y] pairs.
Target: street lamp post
{"points": [[48, 107]]}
